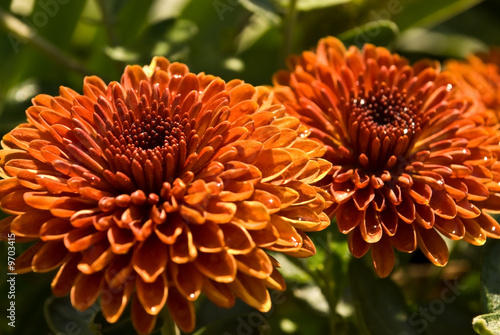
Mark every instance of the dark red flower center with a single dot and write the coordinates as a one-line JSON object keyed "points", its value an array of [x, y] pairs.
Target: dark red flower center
{"points": [[385, 111], [383, 122]]}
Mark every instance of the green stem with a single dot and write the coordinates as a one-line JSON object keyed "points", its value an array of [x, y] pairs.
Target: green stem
{"points": [[169, 326], [289, 24], [107, 20], [27, 34]]}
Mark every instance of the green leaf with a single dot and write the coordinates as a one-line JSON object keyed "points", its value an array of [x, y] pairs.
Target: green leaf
{"points": [[262, 8], [63, 318], [423, 41], [379, 303], [257, 26], [307, 5], [426, 12], [487, 324], [490, 274], [381, 32]]}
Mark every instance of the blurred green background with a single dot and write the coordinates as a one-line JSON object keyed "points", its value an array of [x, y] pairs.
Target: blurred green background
{"points": [[48, 43]]}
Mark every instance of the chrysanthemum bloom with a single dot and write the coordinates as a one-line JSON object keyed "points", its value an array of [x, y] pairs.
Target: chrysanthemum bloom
{"points": [[413, 161], [479, 77], [161, 187]]}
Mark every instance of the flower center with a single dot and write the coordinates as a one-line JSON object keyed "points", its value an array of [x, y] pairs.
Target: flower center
{"points": [[153, 131], [385, 110], [383, 123]]}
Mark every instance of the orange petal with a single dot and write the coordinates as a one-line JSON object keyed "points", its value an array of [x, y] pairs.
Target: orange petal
{"points": [[66, 276], [152, 295], [388, 219], [451, 228], [432, 245], [86, 290], [96, 258], [307, 248], [252, 291], [143, 322], [120, 271], [342, 192], [383, 257], [29, 224], [218, 293], [181, 310], [82, 238], [348, 217], [265, 237], [221, 212], [113, 301], [121, 240], [467, 210], [275, 281], [442, 204], [405, 239], [256, 264], [370, 228], [489, 225], [168, 232], [406, 209], [13, 203], [183, 250], [288, 236], [475, 190], [50, 256], [357, 245], [187, 279], [207, 237], [251, 215], [286, 195], [220, 266], [237, 239], [273, 163], [55, 229], [474, 234], [150, 259], [424, 216], [420, 192], [363, 197], [23, 262]]}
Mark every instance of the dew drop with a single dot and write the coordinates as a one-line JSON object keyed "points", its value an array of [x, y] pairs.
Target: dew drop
{"points": [[448, 87]]}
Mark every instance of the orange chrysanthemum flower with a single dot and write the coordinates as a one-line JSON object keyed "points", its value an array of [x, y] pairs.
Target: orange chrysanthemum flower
{"points": [[160, 187], [412, 160], [479, 77]]}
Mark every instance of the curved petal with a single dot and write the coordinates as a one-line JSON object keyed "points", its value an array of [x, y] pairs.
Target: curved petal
{"points": [[150, 259], [432, 245], [252, 291], [153, 295], [181, 310], [143, 322], [383, 257], [86, 290], [220, 266]]}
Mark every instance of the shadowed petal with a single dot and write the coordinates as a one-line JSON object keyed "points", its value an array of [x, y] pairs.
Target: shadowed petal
{"points": [[150, 259], [181, 310], [432, 245]]}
